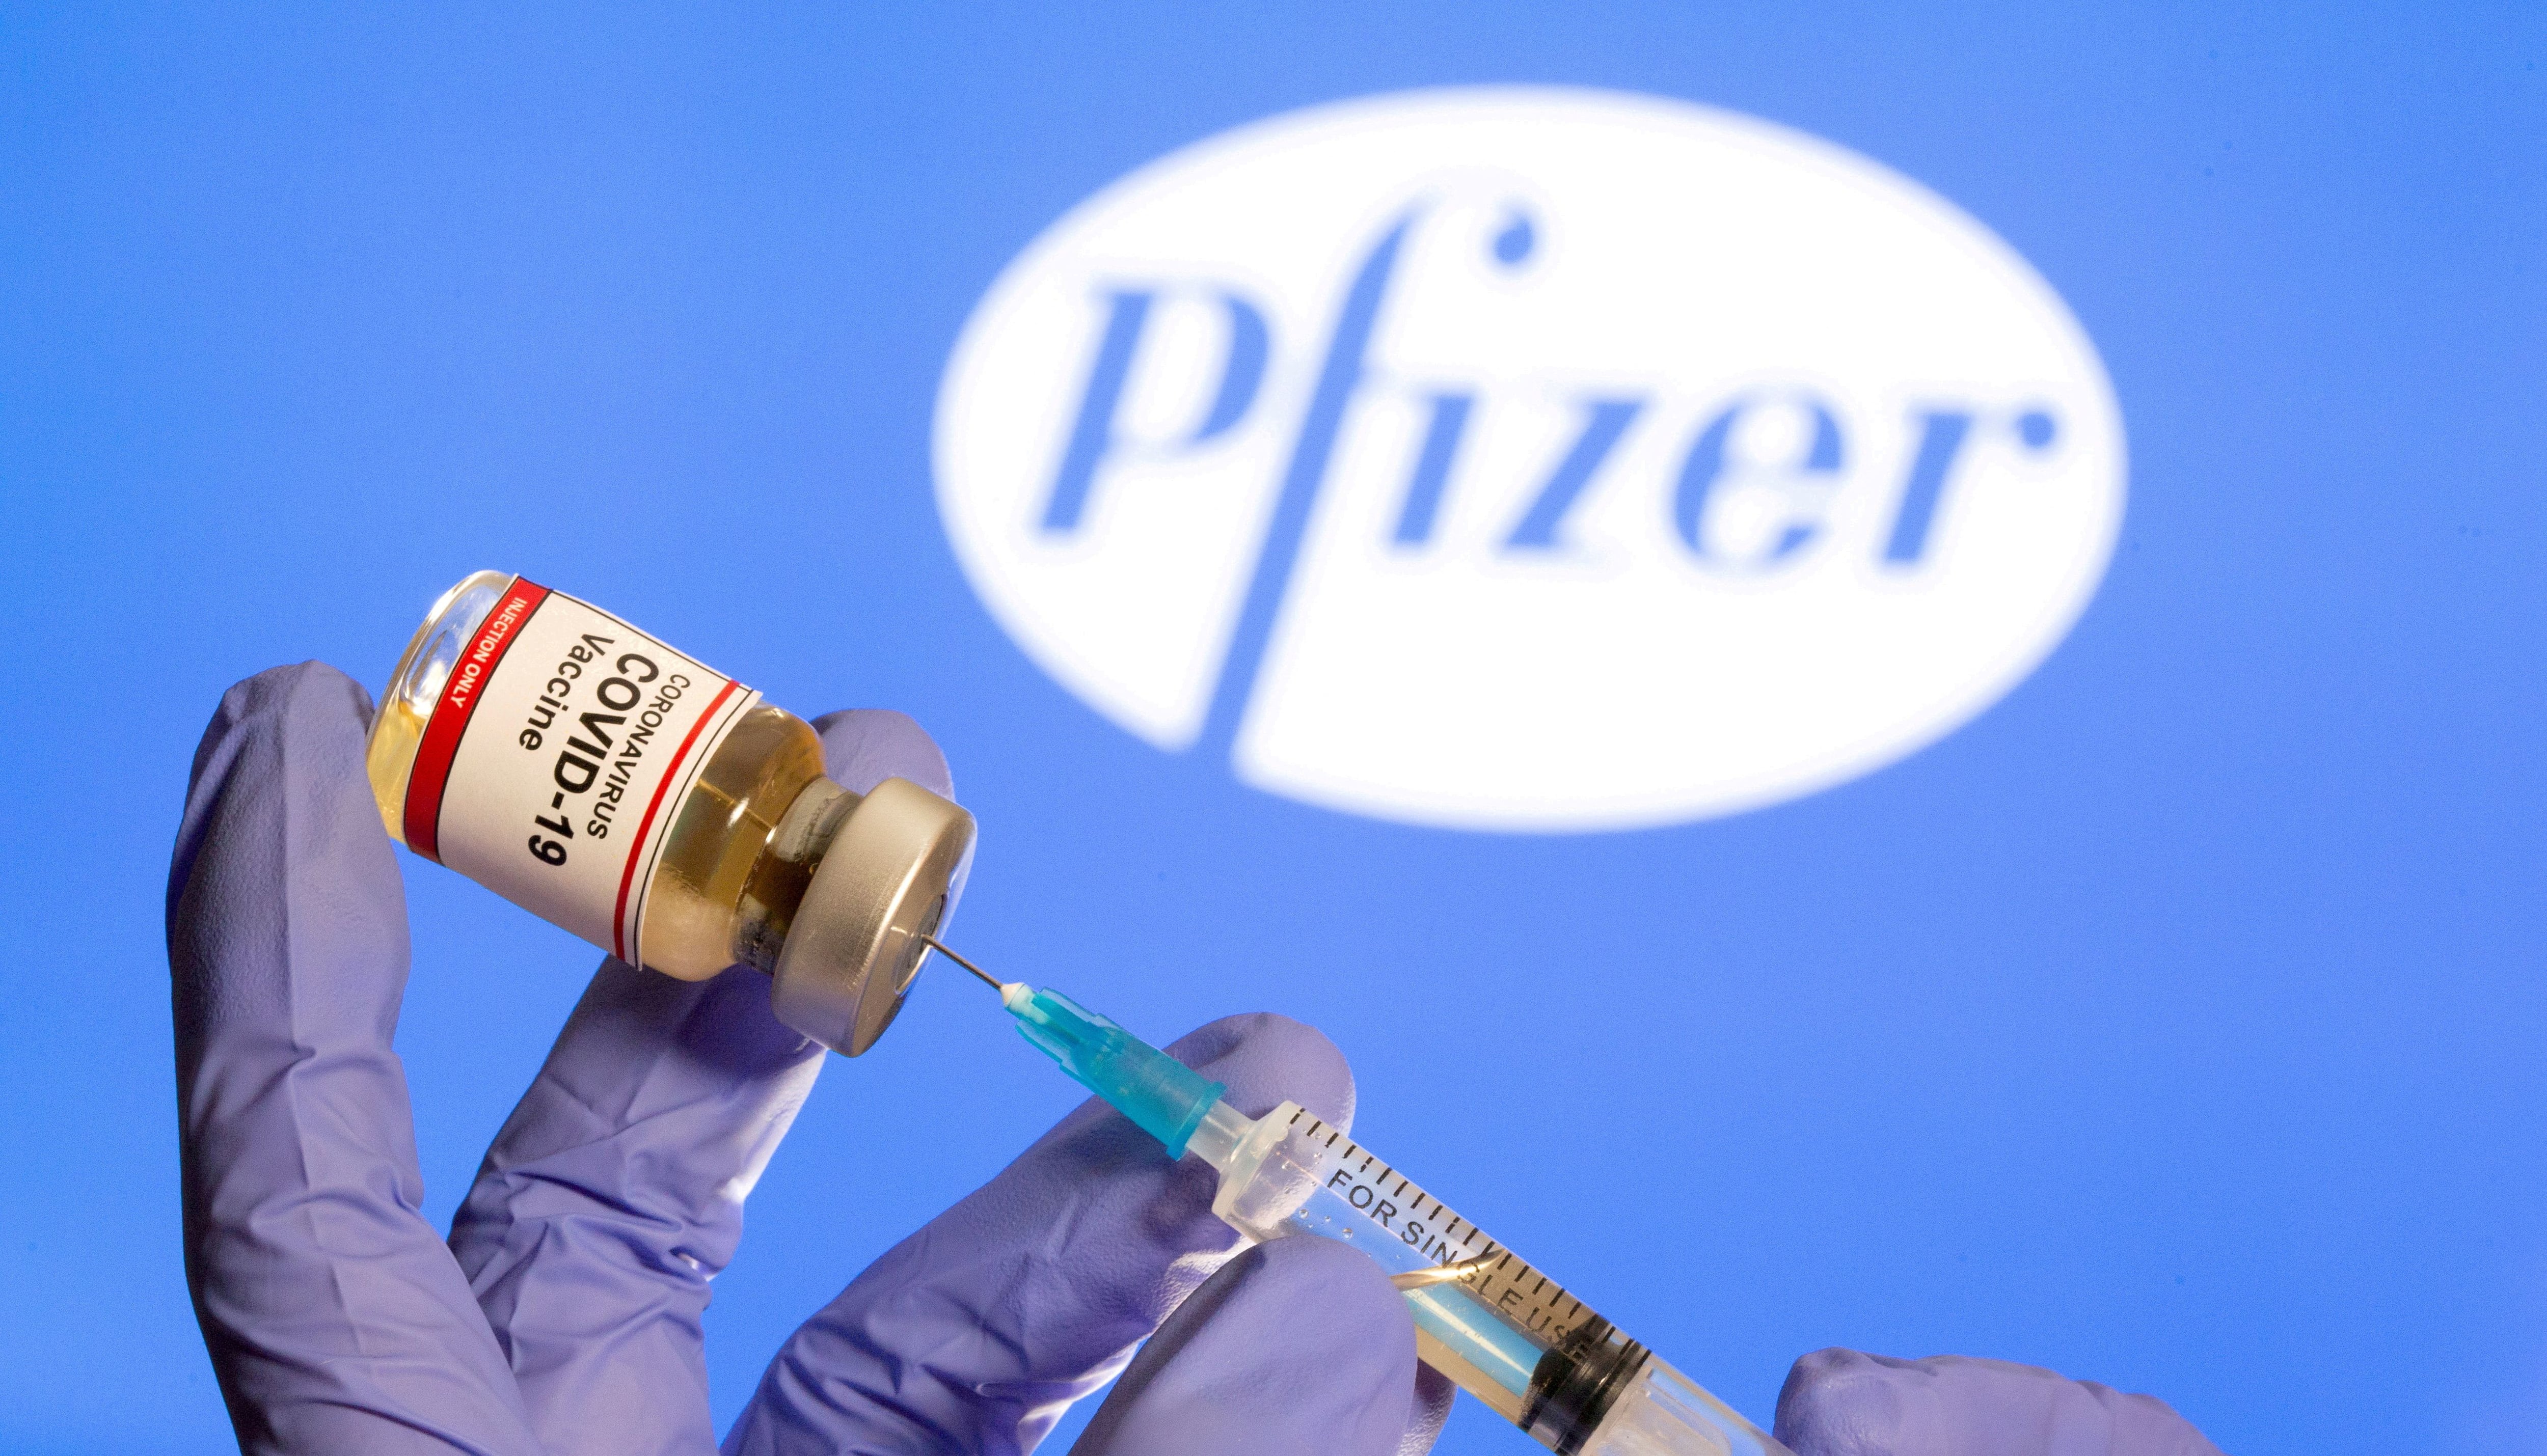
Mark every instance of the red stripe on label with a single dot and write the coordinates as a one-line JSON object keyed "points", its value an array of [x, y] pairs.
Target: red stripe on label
{"points": [[672, 771], [452, 711]]}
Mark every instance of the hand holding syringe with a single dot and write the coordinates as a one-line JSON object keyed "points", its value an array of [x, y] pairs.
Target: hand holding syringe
{"points": [[1501, 1330]]}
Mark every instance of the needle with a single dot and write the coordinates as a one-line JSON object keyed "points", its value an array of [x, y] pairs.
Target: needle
{"points": [[933, 943]]}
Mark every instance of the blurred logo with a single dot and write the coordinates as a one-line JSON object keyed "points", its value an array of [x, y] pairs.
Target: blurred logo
{"points": [[1528, 460]]}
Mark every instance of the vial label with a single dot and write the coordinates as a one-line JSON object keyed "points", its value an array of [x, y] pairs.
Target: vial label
{"points": [[557, 757]]}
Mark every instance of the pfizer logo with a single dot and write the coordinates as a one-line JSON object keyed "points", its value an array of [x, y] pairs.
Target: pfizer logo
{"points": [[1528, 458]]}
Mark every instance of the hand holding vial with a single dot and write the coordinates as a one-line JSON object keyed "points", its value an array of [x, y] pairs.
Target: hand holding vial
{"points": [[564, 1313]]}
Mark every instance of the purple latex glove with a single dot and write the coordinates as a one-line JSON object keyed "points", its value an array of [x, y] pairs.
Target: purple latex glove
{"points": [[975, 1333], [337, 1321], [1298, 1347], [1839, 1403], [614, 1192]]}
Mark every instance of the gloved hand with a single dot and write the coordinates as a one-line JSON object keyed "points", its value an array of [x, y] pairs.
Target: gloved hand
{"points": [[975, 1333], [564, 1314], [1839, 1403]]}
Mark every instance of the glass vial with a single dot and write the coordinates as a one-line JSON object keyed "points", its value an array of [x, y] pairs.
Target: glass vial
{"points": [[618, 788]]}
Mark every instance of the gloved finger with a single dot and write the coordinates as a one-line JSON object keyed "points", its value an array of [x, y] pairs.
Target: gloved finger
{"points": [[865, 746], [1296, 1346], [975, 1333], [1434, 1393], [1839, 1403], [614, 1192], [335, 1317]]}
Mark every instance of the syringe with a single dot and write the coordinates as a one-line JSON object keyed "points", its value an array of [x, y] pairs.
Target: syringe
{"points": [[1497, 1326]]}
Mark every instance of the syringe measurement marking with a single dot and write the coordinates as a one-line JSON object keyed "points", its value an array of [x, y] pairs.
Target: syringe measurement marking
{"points": [[1543, 1309]]}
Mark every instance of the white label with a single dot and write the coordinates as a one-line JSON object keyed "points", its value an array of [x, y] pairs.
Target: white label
{"points": [[558, 758], [1529, 459]]}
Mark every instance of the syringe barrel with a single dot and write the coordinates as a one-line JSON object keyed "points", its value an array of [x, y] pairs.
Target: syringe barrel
{"points": [[1500, 1329]]}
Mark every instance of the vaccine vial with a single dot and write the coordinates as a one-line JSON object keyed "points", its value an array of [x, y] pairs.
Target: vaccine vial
{"points": [[627, 791]]}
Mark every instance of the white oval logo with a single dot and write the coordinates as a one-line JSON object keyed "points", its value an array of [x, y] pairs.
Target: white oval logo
{"points": [[1528, 458]]}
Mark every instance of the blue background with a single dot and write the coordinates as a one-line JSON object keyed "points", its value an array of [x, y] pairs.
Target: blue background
{"points": [[2177, 1024]]}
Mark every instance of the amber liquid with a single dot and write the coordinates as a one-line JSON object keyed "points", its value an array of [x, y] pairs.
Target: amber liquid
{"points": [[727, 885], [724, 891]]}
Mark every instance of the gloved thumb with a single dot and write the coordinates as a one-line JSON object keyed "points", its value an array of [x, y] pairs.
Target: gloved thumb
{"points": [[1840, 1403]]}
